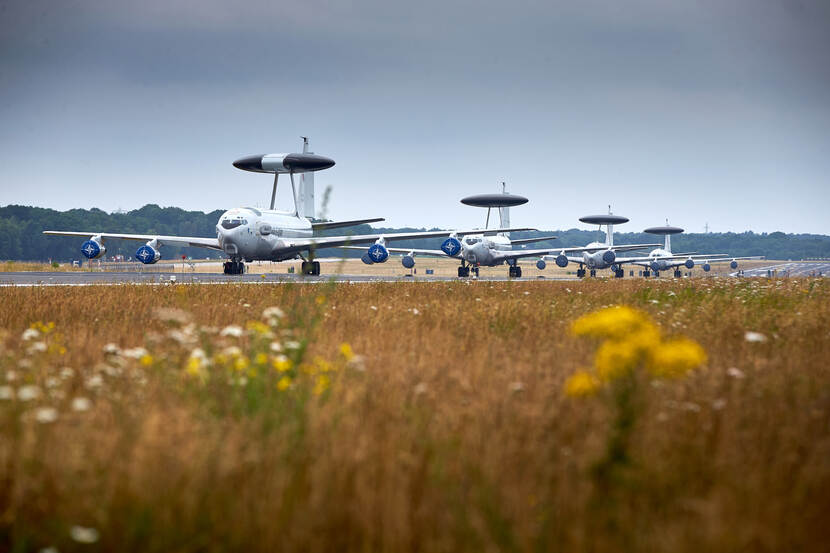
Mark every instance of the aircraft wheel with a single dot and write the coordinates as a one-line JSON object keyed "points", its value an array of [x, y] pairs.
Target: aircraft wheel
{"points": [[476, 271], [580, 273], [593, 272], [646, 274], [307, 268], [678, 274], [227, 267], [463, 272], [315, 268], [619, 273], [656, 274], [518, 272]]}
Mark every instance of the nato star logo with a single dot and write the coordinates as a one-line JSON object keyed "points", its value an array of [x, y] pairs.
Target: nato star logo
{"points": [[90, 250]]}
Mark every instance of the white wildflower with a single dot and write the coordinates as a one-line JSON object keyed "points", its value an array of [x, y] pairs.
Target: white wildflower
{"points": [[718, 404], [420, 388], [66, 372], [46, 415], [82, 534], [112, 349], [527, 293], [171, 315], [37, 347], [276, 347], [232, 351], [6, 392], [11, 376], [690, 406], [94, 382], [292, 344], [81, 404], [231, 330], [50, 549], [272, 313], [30, 334], [373, 307], [28, 393], [52, 382], [735, 372], [135, 353], [752, 336], [517, 387], [415, 311]]}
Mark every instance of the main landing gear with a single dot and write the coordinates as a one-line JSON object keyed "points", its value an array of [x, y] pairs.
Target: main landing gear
{"points": [[646, 273], [580, 273], [234, 267], [464, 271], [311, 268], [619, 273], [593, 272], [514, 271], [678, 274]]}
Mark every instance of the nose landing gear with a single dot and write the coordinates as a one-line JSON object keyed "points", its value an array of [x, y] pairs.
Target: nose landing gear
{"points": [[514, 271]]}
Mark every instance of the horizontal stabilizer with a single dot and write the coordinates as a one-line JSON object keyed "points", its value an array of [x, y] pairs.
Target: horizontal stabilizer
{"points": [[340, 224]]}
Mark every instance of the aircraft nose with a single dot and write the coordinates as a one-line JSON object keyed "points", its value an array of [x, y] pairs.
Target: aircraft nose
{"points": [[307, 162], [249, 163]]}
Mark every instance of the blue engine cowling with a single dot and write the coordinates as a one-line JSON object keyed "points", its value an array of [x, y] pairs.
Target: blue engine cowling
{"points": [[451, 246], [654, 266], [734, 264], [689, 264], [378, 253], [707, 267], [609, 256], [562, 260], [147, 254], [614, 268], [92, 249], [541, 264], [366, 259], [408, 261]]}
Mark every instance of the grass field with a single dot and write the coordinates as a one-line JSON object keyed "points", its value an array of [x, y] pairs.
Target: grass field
{"points": [[410, 417]]}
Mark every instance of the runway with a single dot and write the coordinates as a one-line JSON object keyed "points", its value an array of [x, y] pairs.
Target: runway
{"points": [[105, 278], [789, 269]]}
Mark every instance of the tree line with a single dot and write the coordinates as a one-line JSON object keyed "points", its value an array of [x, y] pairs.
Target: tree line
{"points": [[21, 235]]}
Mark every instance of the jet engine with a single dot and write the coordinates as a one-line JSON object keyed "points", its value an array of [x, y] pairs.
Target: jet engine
{"points": [[93, 249], [734, 264], [562, 260], [147, 254], [654, 266], [366, 259], [541, 264], [609, 256], [408, 261], [690, 264], [707, 267], [378, 253], [451, 246]]}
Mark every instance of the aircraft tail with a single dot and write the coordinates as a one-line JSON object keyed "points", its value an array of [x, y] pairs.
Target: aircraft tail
{"points": [[305, 196]]}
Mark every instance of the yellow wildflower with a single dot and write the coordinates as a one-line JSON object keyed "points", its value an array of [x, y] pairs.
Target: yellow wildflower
{"points": [[282, 363], [261, 358], [612, 322], [241, 363], [146, 360], [259, 328], [320, 300], [675, 357], [322, 384], [614, 358], [346, 351], [194, 366], [582, 383], [283, 383]]}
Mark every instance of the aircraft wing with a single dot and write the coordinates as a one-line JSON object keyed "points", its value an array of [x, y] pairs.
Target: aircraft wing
{"points": [[325, 225], [726, 259], [416, 251], [196, 241], [318, 242], [531, 240]]}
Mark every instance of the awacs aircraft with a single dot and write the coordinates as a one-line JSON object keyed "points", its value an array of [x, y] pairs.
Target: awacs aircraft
{"points": [[598, 255], [662, 259], [489, 248], [247, 234]]}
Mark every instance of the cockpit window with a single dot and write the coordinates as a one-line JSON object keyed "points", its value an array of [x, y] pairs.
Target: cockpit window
{"points": [[233, 223], [473, 239]]}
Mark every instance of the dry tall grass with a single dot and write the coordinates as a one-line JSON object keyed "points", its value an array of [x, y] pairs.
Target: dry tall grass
{"points": [[452, 434]]}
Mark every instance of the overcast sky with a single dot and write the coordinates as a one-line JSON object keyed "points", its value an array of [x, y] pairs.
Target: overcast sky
{"points": [[705, 111]]}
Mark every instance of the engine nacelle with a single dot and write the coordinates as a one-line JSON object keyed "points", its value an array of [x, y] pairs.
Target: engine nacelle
{"points": [[541, 264], [734, 264], [366, 259], [408, 261], [451, 246], [707, 267], [93, 249], [654, 266], [147, 254], [690, 264], [562, 260], [614, 268], [609, 256], [378, 253]]}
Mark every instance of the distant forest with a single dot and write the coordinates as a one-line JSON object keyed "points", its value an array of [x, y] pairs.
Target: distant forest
{"points": [[21, 235]]}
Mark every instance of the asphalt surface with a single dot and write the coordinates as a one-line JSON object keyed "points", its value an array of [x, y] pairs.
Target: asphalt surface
{"points": [[92, 278], [791, 269]]}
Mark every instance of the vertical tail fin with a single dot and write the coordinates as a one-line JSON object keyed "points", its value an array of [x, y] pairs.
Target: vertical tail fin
{"points": [[504, 213], [305, 198]]}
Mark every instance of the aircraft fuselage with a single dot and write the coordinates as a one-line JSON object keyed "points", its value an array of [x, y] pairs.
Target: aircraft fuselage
{"points": [[259, 235]]}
